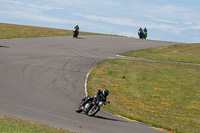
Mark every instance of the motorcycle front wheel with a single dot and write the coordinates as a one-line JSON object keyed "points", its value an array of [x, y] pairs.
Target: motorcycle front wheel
{"points": [[78, 109], [93, 111]]}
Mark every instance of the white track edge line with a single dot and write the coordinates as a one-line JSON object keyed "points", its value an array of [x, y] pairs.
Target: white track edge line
{"points": [[86, 80]]}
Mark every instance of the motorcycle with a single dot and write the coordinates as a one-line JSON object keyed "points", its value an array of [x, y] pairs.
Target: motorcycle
{"points": [[145, 35], [75, 33], [91, 105], [141, 34]]}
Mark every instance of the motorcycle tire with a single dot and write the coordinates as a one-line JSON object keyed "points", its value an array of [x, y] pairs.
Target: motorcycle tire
{"points": [[94, 111], [78, 109], [75, 34]]}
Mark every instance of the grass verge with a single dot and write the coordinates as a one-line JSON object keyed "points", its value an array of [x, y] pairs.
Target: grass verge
{"points": [[8, 31], [164, 95], [189, 53], [11, 125]]}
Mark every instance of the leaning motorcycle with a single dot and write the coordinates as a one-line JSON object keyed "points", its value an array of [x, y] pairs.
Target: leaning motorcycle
{"points": [[91, 107]]}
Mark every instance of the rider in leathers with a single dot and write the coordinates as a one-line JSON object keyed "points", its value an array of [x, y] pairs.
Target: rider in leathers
{"points": [[76, 29], [145, 33], [99, 95], [102, 96], [140, 33]]}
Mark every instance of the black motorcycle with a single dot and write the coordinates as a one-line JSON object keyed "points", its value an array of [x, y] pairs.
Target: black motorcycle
{"points": [[144, 35], [141, 34], [91, 105], [75, 33]]}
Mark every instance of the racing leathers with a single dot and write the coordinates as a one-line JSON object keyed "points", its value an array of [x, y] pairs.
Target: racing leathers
{"points": [[98, 95]]}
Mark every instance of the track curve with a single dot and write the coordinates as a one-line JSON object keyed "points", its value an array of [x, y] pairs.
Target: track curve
{"points": [[42, 80]]}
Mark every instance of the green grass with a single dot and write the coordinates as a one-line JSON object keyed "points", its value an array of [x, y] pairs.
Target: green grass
{"points": [[189, 53], [11, 125], [164, 95], [8, 31]]}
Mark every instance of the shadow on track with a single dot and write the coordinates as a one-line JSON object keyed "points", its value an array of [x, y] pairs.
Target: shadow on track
{"points": [[80, 38], [110, 119], [4, 46]]}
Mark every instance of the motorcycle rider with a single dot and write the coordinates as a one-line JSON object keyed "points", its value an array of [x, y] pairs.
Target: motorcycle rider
{"points": [[99, 95], [102, 96], [76, 29], [140, 33], [145, 32]]}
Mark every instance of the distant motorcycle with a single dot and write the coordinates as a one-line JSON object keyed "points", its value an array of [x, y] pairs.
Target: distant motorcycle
{"points": [[141, 34], [91, 105], [144, 35], [75, 33]]}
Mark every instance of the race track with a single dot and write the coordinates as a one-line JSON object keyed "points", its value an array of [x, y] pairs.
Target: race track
{"points": [[42, 80]]}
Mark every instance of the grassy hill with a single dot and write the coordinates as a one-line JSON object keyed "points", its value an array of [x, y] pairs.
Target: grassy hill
{"points": [[8, 31]]}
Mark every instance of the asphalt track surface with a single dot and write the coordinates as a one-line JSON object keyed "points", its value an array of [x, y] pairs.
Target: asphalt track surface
{"points": [[42, 80]]}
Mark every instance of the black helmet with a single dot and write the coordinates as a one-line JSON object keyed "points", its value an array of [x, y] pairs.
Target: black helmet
{"points": [[106, 92]]}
